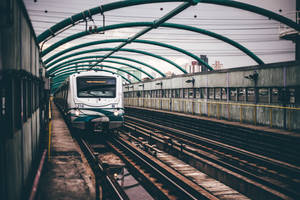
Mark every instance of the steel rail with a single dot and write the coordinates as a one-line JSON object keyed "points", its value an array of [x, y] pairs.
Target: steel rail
{"points": [[68, 66], [233, 151], [112, 186], [185, 191]]}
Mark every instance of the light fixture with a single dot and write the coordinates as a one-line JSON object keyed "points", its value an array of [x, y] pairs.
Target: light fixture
{"points": [[77, 112], [253, 76], [191, 81], [116, 113]]}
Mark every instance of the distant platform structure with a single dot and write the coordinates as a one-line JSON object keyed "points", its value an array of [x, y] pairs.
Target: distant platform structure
{"points": [[288, 33]]}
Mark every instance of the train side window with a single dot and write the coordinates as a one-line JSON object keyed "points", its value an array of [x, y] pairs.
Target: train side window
{"points": [[182, 93], [251, 95], [233, 94], [197, 93], [292, 95], [217, 93], [211, 93], [168, 93], [263, 95], [274, 95], [241, 94], [203, 93], [190, 93], [224, 93], [177, 93]]}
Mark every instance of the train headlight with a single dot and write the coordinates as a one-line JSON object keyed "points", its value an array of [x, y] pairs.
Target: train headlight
{"points": [[77, 113], [116, 113]]}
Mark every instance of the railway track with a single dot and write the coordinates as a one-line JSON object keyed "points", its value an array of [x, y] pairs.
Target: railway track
{"points": [[286, 149], [160, 181], [267, 176], [106, 185]]}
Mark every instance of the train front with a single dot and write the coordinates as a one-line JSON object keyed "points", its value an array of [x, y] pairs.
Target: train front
{"points": [[98, 102]]}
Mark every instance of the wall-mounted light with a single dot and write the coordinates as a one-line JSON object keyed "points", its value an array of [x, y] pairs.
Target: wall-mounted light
{"points": [[253, 77], [159, 83], [141, 85], [191, 81]]}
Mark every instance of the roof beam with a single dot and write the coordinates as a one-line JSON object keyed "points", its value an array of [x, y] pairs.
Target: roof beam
{"points": [[96, 56], [122, 4], [86, 61], [127, 50]]}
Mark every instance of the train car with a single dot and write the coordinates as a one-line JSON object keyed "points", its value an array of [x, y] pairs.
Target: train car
{"points": [[92, 101]]}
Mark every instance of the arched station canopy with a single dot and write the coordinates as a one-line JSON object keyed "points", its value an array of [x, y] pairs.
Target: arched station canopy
{"points": [[97, 56], [127, 50], [124, 40], [61, 68], [61, 79], [155, 24], [122, 4], [137, 24], [98, 65]]}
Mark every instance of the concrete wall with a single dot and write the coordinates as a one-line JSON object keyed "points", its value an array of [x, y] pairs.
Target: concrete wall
{"points": [[271, 75], [19, 151]]}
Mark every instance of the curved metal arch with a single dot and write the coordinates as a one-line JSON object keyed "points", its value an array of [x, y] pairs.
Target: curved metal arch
{"points": [[116, 57], [111, 27], [169, 25], [106, 66], [140, 41], [63, 78], [128, 50], [65, 75], [84, 61], [146, 42], [121, 4]]}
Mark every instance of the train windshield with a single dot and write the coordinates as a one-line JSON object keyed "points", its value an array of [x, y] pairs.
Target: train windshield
{"points": [[96, 86]]}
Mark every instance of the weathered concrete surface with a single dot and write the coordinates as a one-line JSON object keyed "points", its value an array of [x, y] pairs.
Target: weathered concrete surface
{"points": [[65, 176]]}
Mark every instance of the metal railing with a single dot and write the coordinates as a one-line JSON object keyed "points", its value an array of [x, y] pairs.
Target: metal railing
{"points": [[287, 117]]}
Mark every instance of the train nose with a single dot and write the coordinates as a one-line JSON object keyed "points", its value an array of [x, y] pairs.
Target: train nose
{"points": [[100, 119], [99, 124]]}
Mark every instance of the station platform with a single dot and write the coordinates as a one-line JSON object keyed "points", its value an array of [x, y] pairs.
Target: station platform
{"points": [[66, 175]]}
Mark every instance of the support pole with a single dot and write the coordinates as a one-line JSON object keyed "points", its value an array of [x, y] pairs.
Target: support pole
{"points": [[156, 24]]}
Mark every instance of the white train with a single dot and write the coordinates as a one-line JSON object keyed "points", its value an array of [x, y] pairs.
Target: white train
{"points": [[92, 101]]}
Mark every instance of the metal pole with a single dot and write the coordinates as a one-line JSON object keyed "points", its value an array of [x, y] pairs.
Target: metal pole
{"points": [[156, 24]]}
